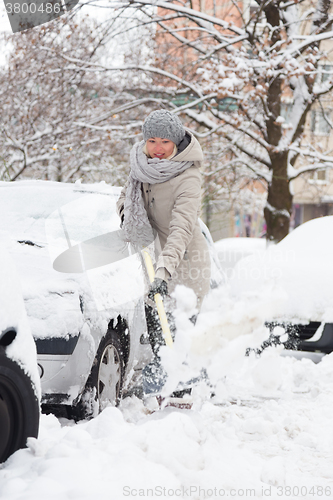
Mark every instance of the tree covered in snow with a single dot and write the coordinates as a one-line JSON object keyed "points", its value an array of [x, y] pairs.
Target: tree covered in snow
{"points": [[61, 121], [247, 73]]}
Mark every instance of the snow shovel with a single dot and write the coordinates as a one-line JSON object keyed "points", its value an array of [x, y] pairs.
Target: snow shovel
{"points": [[158, 301], [153, 374]]}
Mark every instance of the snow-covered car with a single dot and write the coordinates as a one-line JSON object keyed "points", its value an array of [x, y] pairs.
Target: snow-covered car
{"points": [[297, 275], [19, 380], [83, 288]]}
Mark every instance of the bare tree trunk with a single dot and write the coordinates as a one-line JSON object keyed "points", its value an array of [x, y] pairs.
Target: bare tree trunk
{"points": [[279, 200]]}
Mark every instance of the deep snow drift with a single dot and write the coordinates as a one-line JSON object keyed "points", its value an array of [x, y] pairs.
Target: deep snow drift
{"points": [[267, 432]]}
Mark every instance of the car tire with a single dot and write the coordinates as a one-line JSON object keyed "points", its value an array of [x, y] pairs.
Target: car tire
{"points": [[104, 384], [19, 408]]}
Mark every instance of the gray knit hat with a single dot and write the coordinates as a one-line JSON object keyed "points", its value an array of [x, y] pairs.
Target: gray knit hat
{"points": [[161, 123]]}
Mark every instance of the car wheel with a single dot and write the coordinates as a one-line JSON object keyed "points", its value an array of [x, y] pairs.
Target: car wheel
{"points": [[19, 408], [104, 385]]}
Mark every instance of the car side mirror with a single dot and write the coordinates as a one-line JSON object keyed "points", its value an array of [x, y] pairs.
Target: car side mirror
{"points": [[7, 337]]}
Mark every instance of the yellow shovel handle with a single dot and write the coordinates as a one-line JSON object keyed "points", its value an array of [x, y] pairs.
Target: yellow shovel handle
{"points": [[158, 301]]}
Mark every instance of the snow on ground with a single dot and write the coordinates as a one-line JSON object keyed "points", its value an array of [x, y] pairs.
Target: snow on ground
{"points": [[266, 433], [275, 445]]}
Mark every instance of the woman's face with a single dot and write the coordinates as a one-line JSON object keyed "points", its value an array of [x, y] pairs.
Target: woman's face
{"points": [[160, 148]]}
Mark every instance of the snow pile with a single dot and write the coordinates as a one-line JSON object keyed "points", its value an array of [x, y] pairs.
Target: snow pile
{"points": [[265, 432], [289, 281], [258, 427], [253, 446], [215, 347]]}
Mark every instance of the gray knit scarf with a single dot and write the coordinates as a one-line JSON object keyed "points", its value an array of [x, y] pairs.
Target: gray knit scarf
{"points": [[136, 227]]}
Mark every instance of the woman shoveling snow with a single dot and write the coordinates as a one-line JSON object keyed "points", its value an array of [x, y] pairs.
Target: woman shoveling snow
{"points": [[161, 202]]}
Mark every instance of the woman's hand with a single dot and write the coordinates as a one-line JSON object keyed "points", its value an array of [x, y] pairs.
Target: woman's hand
{"points": [[158, 286]]}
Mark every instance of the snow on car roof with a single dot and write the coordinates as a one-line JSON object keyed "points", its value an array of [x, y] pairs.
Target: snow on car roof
{"points": [[24, 205], [31, 213], [298, 272]]}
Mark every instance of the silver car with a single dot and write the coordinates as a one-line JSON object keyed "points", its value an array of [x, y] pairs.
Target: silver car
{"points": [[84, 291]]}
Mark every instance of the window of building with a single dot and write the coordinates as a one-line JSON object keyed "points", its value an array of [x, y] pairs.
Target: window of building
{"points": [[325, 72], [320, 122], [254, 10], [319, 176], [286, 112]]}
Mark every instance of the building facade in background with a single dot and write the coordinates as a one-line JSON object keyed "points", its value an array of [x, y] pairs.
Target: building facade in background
{"points": [[242, 215], [313, 192]]}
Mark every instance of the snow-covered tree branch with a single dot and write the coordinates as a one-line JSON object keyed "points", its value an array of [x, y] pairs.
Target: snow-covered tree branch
{"points": [[267, 63], [247, 79]]}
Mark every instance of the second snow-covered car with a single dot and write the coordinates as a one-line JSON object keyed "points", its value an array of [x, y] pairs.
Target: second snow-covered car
{"points": [[83, 288], [297, 275]]}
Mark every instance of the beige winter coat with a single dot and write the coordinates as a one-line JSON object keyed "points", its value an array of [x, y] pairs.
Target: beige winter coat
{"points": [[173, 208]]}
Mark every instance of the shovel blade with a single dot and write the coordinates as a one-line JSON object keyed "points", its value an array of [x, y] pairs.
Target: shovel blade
{"points": [[153, 378]]}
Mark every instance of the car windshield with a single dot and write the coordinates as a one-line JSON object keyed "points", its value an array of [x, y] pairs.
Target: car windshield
{"points": [[64, 229], [44, 212]]}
